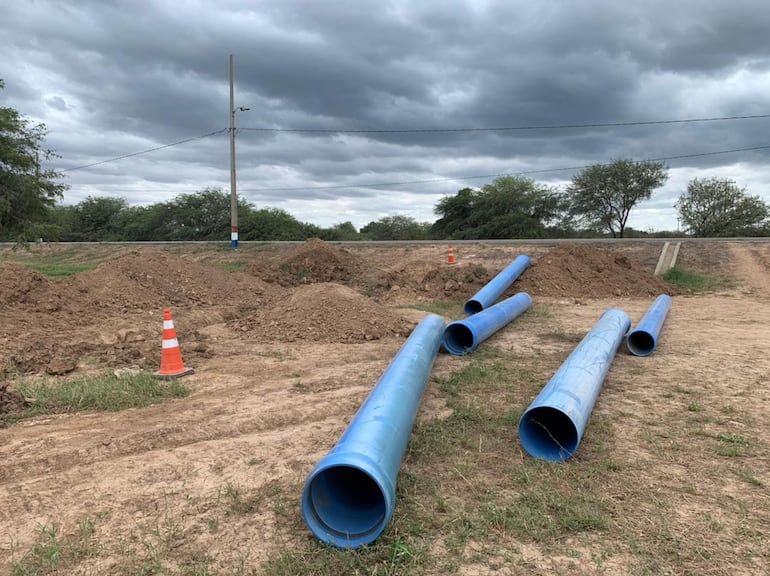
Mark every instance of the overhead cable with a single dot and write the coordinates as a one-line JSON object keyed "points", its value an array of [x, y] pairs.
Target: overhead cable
{"points": [[502, 128], [185, 141]]}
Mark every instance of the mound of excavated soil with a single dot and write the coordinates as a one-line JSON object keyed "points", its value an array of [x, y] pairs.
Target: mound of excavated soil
{"points": [[425, 281], [311, 262], [20, 284], [324, 312], [112, 313], [575, 270], [152, 280]]}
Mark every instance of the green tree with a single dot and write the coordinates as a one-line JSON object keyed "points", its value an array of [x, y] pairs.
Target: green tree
{"points": [[98, 219], [271, 224], [341, 232], [155, 222], [509, 207], [517, 207], [455, 214], [27, 191], [396, 227], [602, 195], [716, 207], [203, 215]]}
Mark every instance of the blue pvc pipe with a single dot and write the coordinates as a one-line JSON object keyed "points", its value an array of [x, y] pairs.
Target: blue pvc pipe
{"points": [[552, 427], [349, 498], [643, 339], [493, 289], [464, 336]]}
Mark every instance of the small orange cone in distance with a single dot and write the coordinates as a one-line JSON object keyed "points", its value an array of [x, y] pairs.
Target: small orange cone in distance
{"points": [[171, 365], [451, 258]]}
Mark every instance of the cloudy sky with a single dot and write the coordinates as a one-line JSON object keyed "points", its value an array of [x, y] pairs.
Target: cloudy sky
{"points": [[358, 109]]}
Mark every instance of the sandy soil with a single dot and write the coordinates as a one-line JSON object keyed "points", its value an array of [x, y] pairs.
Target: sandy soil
{"points": [[285, 352]]}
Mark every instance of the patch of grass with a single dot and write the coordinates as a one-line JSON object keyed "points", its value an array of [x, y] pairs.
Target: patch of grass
{"points": [[55, 553], [109, 393], [59, 270], [736, 439], [697, 282], [300, 274], [399, 555], [56, 263], [748, 476], [461, 489], [230, 266], [732, 445], [694, 407], [239, 502]]}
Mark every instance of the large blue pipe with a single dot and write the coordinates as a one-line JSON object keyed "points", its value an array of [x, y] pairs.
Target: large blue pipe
{"points": [[552, 426], [493, 289], [464, 336], [349, 498], [643, 339]]}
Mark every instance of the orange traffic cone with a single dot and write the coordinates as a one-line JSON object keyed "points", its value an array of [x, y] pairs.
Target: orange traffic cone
{"points": [[451, 258], [171, 365]]}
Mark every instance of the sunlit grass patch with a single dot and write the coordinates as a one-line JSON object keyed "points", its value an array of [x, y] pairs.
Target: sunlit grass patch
{"points": [[107, 392], [697, 282]]}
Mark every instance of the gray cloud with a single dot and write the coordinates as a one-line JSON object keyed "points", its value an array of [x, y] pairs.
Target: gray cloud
{"points": [[108, 80]]}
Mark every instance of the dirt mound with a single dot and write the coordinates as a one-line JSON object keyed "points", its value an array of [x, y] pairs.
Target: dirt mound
{"points": [[325, 312], [20, 284], [425, 281], [153, 279], [575, 270], [312, 262], [113, 313]]}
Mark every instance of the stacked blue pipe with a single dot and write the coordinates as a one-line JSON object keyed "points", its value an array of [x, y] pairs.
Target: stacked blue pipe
{"points": [[493, 289], [349, 497], [553, 425], [464, 336], [643, 339]]}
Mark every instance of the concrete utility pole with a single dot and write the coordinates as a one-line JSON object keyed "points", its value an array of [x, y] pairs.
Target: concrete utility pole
{"points": [[233, 193]]}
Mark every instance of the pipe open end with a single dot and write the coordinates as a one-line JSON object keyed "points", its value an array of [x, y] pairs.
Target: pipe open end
{"points": [[473, 307], [640, 343], [344, 506], [548, 433], [459, 339]]}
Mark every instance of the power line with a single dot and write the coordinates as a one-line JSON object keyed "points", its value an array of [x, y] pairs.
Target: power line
{"points": [[479, 177], [116, 158], [422, 131], [503, 128]]}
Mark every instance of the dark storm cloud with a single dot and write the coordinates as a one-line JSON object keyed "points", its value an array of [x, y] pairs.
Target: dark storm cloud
{"points": [[112, 78]]}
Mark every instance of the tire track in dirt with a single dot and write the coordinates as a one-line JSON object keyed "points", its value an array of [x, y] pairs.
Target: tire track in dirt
{"points": [[75, 441], [751, 264]]}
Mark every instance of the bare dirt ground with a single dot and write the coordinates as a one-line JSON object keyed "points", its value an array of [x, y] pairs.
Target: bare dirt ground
{"points": [[286, 350]]}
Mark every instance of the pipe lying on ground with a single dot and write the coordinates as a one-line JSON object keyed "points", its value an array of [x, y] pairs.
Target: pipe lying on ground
{"points": [[464, 336], [493, 289], [552, 427], [349, 498], [643, 339]]}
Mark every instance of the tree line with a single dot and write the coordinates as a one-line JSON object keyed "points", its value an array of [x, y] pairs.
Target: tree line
{"points": [[596, 203]]}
